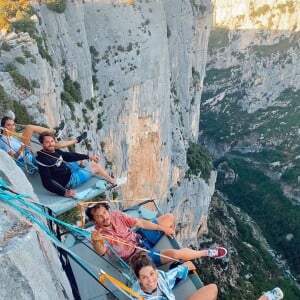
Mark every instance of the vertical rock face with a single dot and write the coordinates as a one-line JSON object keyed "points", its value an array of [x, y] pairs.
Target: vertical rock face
{"points": [[30, 267], [140, 68]]}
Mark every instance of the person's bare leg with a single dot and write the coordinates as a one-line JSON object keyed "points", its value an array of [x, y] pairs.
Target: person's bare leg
{"points": [[98, 170], [184, 253], [263, 297], [29, 130], [208, 292], [166, 220]]}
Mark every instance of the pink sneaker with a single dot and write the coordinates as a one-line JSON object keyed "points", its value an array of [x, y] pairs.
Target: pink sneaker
{"points": [[218, 252]]}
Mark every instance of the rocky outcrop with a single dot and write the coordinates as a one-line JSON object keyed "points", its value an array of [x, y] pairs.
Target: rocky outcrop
{"points": [[140, 66], [30, 267]]}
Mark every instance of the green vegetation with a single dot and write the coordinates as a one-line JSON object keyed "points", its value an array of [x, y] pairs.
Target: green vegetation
{"points": [[265, 51], [90, 104], [218, 39], [5, 46], [22, 116], [229, 123], [292, 175], [25, 25], [5, 101], [71, 94], [58, 6], [43, 48], [94, 57], [217, 75], [99, 121], [264, 201], [19, 80], [252, 267], [20, 60], [13, 10], [199, 161]]}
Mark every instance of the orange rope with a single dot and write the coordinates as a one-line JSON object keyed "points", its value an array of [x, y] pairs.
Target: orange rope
{"points": [[7, 132]]}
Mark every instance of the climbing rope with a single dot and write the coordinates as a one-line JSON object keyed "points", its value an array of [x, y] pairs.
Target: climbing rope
{"points": [[10, 199]]}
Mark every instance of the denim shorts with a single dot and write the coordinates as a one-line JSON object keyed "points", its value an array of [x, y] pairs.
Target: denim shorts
{"points": [[79, 174], [149, 239]]}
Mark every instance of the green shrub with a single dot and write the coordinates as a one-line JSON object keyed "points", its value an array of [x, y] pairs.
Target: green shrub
{"points": [[199, 161], [72, 88], [94, 51], [21, 60], [42, 46], [6, 46], [25, 25], [22, 116], [99, 122], [5, 101], [292, 175], [20, 80], [58, 6]]}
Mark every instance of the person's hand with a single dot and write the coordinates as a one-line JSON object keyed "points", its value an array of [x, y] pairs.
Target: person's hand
{"points": [[170, 232], [70, 193], [94, 158], [96, 236], [190, 265]]}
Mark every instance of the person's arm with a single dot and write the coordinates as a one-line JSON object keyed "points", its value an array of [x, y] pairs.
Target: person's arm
{"points": [[98, 242], [4, 145], [141, 223], [18, 152], [72, 156], [65, 144]]}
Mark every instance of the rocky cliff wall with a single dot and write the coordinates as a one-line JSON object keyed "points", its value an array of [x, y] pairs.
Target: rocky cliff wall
{"points": [[30, 267], [140, 68]]}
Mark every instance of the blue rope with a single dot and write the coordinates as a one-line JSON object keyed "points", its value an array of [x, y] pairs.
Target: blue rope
{"points": [[72, 228], [8, 198]]}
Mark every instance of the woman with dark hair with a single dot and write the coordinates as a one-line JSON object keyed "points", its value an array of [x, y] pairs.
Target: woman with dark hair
{"points": [[155, 284], [15, 144]]}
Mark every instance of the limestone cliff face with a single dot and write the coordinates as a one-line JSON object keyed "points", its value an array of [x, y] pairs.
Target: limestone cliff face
{"points": [[140, 68], [252, 85], [30, 267], [258, 14]]}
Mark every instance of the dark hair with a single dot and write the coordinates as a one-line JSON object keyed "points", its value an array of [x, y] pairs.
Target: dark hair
{"points": [[90, 209], [140, 260], [3, 121], [43, 134]]}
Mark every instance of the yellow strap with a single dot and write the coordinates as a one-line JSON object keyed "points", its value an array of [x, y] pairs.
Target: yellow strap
{"points": [[120, 284], [7, 132]]}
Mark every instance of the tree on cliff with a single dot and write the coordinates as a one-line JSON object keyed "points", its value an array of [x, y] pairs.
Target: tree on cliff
{"points": [[11, 11]]}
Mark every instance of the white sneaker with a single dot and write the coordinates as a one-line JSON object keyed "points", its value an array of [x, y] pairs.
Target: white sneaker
{"points": [[275, 294], [59, 129]]}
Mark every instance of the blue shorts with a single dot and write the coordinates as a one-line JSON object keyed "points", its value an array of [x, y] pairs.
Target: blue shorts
{"points": [[79, 174], [149, 239], [152, 236]]}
